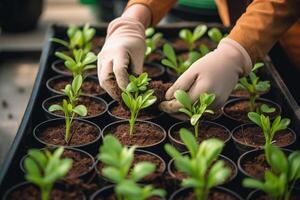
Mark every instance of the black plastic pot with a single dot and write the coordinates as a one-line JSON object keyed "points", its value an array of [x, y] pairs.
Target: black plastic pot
{"points": [[155, 57], [158, 76], [227, 183], [244, 147], [90, 147], [172, 75], [55, 67], [95, 118], [83, 176], [179, 145], [137, 151], [256, 194], [25, 184], [156, 147], [185, 191]]}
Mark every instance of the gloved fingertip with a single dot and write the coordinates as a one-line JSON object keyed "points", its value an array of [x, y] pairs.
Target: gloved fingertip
{"points": [[169, 106]]}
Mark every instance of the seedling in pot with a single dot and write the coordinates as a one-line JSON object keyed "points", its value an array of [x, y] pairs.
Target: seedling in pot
{"points": [[152, 40], [44, 168], [69, 106], [195, 110], [280, 180], [191, 37], [80, 63], [215, 34], [78, 38], [269, 128], [201, 166], [179, 65], [137, 96], [118, 168]]}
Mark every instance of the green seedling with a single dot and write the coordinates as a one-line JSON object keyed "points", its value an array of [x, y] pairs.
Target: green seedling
{"points": [[201, 166], [280, 180], [216, 35], [137, 96], [44, 168], [80, 63], [178, 64], [269, 128], [152, 40], [195, 110], [254, 86], [191, 37], [118, 168], [69, 106], [77, 38]]}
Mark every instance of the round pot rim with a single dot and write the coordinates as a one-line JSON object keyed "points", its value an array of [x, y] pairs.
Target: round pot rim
{"points": [[137, 150], [162, 68], [234, 194], [23, 183], [113, 103], [170, 131], [96, 98], [175, 116], [141, 121], [242, 157], [66, 148], [254, 146], [171, 163], [57, 77], [35, 134], [235, 96], [246, 98], [172, 73]]}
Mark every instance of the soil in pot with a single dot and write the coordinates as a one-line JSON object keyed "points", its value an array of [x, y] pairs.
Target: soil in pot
{"points": [[156, 56], [238, 93], [155, 71], [206, 116], [81, 133], [60, 68], [258, 195], [97, 44], [180, 45], [239, 109], [215, 194], [256, 166]]}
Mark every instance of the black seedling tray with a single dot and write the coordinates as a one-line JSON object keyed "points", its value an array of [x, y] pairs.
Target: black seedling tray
{"points": [[10, 172]]}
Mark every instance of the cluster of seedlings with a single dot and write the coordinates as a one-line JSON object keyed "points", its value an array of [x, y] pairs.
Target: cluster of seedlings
{"points": [[127, 149]]}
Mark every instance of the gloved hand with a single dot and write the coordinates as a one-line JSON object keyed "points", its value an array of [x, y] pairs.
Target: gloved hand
{"points": [[124, 48], [217, 72]]}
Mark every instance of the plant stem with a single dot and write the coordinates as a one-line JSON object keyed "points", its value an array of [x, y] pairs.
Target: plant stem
{"points": [[196, 128], [201, 194], [252, 102], [132, 121], [45, 193], [68, 127]]}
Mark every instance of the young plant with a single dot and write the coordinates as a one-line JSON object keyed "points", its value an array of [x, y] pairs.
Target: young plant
{"points": [[179, 65], [80, 63], [216, 35], [191, 37], [253, 85], [118, 168], [280, 180], [152, 40], [137, 96], [269, 128], [44, 168], [69, 106], [194, 110], [78, 38], [201, 166]]}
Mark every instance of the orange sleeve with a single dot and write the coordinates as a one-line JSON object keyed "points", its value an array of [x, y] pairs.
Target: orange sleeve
{"points": [[263, 23], [158, 8]]}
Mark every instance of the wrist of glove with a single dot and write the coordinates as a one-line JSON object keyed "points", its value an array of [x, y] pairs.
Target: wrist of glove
{"points": [[217, 72]]}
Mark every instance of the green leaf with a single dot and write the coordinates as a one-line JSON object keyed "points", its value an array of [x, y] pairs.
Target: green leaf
{"points": [[170, 53], [294, 166], [199, 31], [183, 98], [253, 183], [218, 174], [190, 141], [257, 66], [195, 119], [76, 83], [266, 109], [60, 41], [168, 63], [112, 174], [31, 167], [172, 151], [203, 49], [80, 110], [186, 35], [149, 31], [63, 56], [255, 118], [215, 35], [55, 107], [38, 156], [141, 170], [276, 159]]}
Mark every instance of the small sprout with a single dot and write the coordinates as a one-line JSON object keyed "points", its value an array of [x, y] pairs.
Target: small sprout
{"points": [[253, 86], [152, 40], [178, 64], [78, 38], [280, 180], [216, 35], [80, 63], [191, 37], [118, 168], [269, 129], [195, 110], [201, 166], [137, 96], [69, 106], [44, 168]]}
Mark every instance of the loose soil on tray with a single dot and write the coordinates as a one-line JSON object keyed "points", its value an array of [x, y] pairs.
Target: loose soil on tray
{"points": [[82, 133], [144, 134], [180, 45], [256, 166], [93, 106], [265, 197], [32, 193], [214, 195], [155, 57], [88, 86], [240, 109], [61, 67], [255, 137], [140, 157], [242, 93], [113, 197], [206, 116], [152, 70], [97, 44]]}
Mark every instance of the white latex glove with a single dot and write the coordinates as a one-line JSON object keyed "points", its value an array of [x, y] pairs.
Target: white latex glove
{"points": [[217, 72], [124, 48]]}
